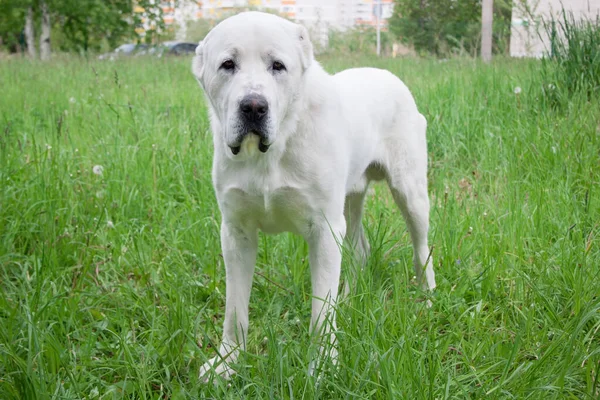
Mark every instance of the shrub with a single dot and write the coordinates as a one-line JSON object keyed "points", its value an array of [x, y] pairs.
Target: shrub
{"points": [[572, 64]]}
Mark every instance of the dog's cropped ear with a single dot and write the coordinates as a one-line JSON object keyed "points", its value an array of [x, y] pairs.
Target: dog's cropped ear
{"points": [[305, 47], [198, 62]]}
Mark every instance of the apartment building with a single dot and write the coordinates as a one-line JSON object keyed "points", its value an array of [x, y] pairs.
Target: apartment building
{"points": [[319, 15]]}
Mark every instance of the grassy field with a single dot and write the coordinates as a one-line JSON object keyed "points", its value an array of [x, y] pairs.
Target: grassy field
{"points": [[112, 282]]}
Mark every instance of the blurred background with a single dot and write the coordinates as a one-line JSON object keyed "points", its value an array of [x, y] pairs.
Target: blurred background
{"points": [[111, 28]]}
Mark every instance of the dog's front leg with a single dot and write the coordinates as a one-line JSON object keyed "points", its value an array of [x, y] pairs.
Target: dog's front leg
{"points": [[325, 266], [239, 245]]}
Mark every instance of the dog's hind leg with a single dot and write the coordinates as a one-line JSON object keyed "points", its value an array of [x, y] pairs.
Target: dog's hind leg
{"points": [[407, 179], [355, 233], [413, 201], [355, 237]]}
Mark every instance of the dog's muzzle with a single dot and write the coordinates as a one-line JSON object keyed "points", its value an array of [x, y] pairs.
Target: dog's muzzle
{"points": [[253, 111]]}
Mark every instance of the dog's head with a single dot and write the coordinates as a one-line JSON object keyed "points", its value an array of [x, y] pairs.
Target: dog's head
{"points": [[250, 67]]}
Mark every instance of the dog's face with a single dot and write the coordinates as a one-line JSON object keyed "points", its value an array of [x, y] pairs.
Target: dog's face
{"points": [[250, 67]]}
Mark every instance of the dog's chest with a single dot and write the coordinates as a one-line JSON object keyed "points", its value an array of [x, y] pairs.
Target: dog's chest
{"points": [[271, 203]]}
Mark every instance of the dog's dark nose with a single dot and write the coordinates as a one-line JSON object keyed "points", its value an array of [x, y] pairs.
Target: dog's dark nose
{"points": [[254, 107]]}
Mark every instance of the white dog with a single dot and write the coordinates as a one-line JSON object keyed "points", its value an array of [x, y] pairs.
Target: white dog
{"points": [[294, 150]]}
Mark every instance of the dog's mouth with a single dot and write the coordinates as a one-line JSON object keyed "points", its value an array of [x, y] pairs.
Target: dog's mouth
{"points": [[250, 142]]}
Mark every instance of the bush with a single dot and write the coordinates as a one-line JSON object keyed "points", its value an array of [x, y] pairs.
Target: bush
{"points": [[357, 40], [444, 27], [573, 62]]}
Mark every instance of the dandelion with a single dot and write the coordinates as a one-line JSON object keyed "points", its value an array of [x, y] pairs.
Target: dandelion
{"points": [[517, 90], [110, 224], [72, 100], [98, 170]]}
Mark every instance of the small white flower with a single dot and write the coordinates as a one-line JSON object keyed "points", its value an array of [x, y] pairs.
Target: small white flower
{"points": [[110, 224], [551, 86], [554, 149], [72, 100], [517, 90], [470, 229], [98, 170], [76, 150], [48, 147]]}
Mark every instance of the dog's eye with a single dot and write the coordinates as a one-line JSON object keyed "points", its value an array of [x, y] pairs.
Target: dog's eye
{"points": [[228, 65], [278, 66]]}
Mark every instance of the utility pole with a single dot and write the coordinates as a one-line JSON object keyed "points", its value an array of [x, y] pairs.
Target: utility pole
{"points": [[377, 12], [487, 19]]}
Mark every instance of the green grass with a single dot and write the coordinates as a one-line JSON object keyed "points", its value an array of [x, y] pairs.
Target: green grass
{"points": [[131, 308]]}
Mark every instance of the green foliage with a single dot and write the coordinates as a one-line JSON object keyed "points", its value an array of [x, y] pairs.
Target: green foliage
{"points": [[86, 25], [442, 27], [83, 25], [12, 21], [573, 61], [132, 308], [357, 40]]}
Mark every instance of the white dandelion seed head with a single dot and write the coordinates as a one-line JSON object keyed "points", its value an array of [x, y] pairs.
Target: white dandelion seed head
{"points": [[98, 170], [517, 90]]}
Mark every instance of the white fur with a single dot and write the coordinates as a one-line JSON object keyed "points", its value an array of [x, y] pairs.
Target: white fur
{"points": [[330, 136]]}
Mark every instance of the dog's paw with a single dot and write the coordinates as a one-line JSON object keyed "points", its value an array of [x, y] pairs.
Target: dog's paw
{"points": [[216, 367]]}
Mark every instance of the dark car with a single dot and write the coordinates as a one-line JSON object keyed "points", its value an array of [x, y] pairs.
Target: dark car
{"points": [[175, 48], [127, 49]]}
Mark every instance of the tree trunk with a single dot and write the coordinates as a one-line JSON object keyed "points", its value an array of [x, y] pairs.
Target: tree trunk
{"points": [[29, 34], [45, 37]]}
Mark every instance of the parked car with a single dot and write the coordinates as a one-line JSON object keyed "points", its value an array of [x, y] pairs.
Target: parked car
{"points": [[127, 49], [175, 48]]}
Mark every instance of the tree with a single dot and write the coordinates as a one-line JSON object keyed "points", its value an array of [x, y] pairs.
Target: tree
{"points": [[29, 32], [12, 24], [444, 26], [45, 36], [76, 25]]}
